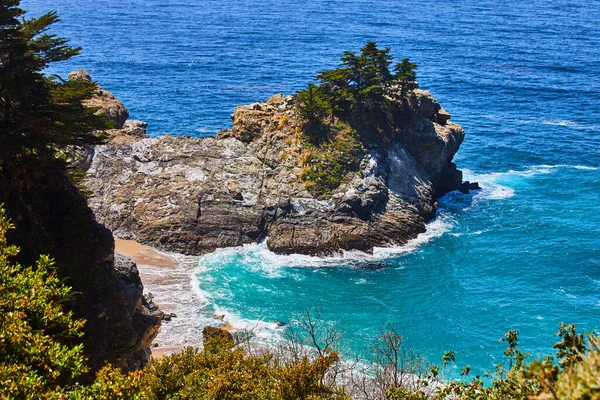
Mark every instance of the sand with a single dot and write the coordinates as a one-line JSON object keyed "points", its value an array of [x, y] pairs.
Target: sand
{"points": [[144, 255]]}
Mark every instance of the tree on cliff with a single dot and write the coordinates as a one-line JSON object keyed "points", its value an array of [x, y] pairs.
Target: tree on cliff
{"points": [[39, 115], [406, 76], [312, 105], [359, 79]]}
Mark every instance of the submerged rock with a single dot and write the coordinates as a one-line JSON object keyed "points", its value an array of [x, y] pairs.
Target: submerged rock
{"points": [[193, 195]]}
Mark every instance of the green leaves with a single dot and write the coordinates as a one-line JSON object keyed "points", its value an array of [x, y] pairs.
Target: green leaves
{"points": [[39, 115], [359, 80], [312, 104], [40, 356], [571, 347], [405, 76], [226, 373]]}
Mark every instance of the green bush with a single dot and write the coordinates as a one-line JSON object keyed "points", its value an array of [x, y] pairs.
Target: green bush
{"points": [[223, 372], [327, 164], [41, 355]]}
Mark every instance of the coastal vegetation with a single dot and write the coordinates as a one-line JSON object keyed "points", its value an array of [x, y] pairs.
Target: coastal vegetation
{"points": [[361, 81], [40, 116], [327, 162], [332, 112], [41, 350]]}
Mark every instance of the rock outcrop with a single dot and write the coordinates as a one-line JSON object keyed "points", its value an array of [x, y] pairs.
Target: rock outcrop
{"points": [[108, 105], [194, 195]]}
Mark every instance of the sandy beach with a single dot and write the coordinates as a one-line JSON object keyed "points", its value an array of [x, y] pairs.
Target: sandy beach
{"points": [[148, 261]]}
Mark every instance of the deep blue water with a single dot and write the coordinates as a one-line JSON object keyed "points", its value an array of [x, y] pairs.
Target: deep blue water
{"points": [[523, 78]]}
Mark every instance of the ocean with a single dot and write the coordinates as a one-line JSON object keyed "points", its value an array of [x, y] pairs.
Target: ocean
{"points": [[522, 78]]}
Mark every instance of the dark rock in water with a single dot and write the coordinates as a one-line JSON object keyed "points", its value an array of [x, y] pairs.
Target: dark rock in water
{"points": [[168, 316], [194, 195], [450, 180], [279, 324], [372, 266], [467, 186], [210, 332], [52, 217]]}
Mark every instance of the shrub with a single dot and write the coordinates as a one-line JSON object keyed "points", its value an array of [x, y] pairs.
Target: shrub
{"points": [[328, 164], [221, 371], [40, 351]]}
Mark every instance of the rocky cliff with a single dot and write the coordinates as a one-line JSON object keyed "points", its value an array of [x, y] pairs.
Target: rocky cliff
{"points": [[52, 217], [193, 195]]}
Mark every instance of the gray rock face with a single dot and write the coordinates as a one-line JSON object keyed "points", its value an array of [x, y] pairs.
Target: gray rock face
{"points": [[194, 195]]}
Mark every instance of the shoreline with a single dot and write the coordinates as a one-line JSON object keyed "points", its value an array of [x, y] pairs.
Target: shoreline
{"points": [[148, 260]]}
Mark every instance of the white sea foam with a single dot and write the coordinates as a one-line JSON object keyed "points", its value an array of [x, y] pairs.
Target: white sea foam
{"points": [[259, 257], [496, 185], [175, 293], [561, 122]]}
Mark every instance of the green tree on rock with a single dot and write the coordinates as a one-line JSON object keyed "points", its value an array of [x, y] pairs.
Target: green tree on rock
{"points": [[406, 76], [39, 115], [312, 105], [360, 79]]}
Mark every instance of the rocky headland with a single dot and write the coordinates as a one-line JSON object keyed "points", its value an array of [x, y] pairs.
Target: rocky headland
{"points": [[193, 195]]}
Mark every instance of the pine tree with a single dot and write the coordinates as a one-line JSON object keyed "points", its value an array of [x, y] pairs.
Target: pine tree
{"points": [[311, 104], [406, 76], [359, 80], [39, 115]]}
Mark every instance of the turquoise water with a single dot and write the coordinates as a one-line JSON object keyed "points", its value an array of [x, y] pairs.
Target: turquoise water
{"points": [[523, 78]]}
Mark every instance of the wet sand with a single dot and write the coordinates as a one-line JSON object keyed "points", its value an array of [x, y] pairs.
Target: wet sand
{"points": [[144, 255], [150, 260]]}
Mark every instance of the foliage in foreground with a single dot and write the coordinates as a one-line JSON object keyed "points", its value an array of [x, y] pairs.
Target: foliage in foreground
{"points": [[574, 374], [41, 355], [221, 371]]}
